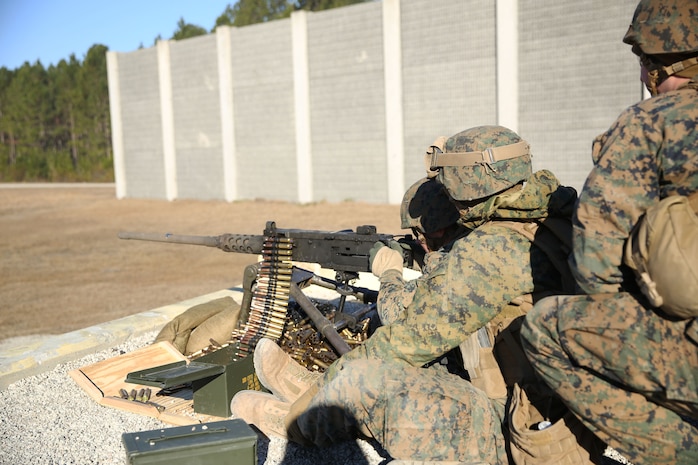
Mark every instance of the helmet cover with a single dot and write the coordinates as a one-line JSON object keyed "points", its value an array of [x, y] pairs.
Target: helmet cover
{"points": [[480, 162], [664, 26]]}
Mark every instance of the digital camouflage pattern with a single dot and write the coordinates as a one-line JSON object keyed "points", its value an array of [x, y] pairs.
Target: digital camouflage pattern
{"points": [[415, 413], [427, 207], [467, 288], [468, 183], [649, 153], [626, 372], [623, 368], [396, 293], [664, 26], [664, 34]]}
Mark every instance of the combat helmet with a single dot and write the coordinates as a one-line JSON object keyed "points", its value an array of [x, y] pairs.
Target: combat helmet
{"points": [[664, 34], [427, 207], [479, 162]]}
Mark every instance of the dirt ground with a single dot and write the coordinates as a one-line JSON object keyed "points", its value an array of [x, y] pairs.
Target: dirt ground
{"points": [[62, 266]]}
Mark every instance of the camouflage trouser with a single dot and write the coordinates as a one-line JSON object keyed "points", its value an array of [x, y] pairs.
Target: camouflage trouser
{"points": [[415, 413], [613, 362]]}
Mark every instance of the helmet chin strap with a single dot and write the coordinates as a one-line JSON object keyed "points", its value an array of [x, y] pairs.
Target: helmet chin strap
{"points": [[652, 82], [658, 74]]}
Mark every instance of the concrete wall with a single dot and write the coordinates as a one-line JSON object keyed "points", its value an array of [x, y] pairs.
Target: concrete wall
{"points": [[347, 103], [196, 113], [341, 104], [143, 160], [576, 76], [449, 64]]}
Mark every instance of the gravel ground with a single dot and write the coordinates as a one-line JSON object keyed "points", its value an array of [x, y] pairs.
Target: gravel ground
{"points": [[48, 419]]}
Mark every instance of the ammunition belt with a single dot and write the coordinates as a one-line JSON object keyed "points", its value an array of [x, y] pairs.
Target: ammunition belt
{"points": [[269, 305], [271, 317]]}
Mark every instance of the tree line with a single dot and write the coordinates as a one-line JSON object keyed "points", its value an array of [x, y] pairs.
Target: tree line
{"points": [[55, 123]]}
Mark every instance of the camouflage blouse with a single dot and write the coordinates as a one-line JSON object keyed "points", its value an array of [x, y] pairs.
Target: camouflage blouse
{"points": [[649, 153], [470, 285]]}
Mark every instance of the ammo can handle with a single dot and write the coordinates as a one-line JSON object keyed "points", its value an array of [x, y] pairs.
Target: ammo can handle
{"points": [[222, 429]]}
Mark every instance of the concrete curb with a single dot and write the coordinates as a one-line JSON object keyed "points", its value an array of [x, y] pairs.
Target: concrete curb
{"points": [[32, 356]]}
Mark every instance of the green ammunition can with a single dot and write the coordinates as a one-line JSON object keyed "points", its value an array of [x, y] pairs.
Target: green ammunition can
{"points": [[228, 442], [215, 378]]}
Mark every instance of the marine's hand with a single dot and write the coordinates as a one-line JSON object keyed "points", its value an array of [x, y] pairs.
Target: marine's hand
{"points": [[383, 258], [372, 253]]}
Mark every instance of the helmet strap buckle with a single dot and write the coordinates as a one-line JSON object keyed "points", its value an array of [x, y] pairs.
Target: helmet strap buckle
{"points": [[653, 81]]}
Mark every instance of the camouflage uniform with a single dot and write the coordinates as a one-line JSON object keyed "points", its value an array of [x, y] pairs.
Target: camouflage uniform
{"points": [[626, 371], [396, 293], [380, 388], [426, 208]]}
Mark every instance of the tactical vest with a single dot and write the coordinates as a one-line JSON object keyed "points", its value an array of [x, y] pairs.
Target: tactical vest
{"points": [[541, 430], [493, 355]]}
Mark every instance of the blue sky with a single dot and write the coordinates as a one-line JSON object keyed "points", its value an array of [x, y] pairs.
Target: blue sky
{"points": [[51, 30]]}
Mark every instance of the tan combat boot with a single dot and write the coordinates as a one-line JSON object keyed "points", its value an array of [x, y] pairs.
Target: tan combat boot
{"points": [[263, 410], [279, 373]]}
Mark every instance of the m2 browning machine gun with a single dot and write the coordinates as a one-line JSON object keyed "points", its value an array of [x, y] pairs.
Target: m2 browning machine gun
{"points": [[275, 279]]}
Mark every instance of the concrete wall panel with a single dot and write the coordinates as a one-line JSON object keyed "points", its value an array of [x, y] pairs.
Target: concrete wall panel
{"points": [[264, 126], [347, 109], [194, 75], [576, 76], [142, 128], [448, 72]]}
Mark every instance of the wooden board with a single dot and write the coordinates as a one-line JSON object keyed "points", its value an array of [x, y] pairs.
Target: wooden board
{"points": [[103, 380]]}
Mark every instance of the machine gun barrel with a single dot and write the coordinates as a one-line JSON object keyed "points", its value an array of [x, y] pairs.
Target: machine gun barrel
{"points": [[237, 243], [342, 251]]}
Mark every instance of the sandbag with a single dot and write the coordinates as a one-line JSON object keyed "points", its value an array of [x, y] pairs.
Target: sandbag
{"points": [[195, 327]]}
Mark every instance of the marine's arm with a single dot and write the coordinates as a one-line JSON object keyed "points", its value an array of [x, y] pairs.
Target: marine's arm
{"points": [[620, 187], [396, 293], [393, 293], [481, 274]]}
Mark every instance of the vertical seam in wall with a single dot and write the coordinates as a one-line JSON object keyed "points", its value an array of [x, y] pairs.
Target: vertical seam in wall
{"points": [[167, 118], [117, 132], [227, 100], [507, 46], [394, 124], [301, 95]]}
